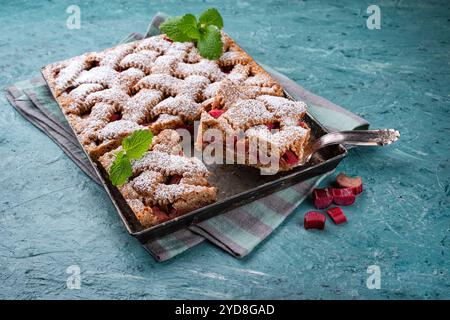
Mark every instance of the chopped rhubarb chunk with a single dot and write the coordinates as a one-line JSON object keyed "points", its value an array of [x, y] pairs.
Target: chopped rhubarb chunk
{"points": [[302, 124], [115, 116], [290, 158], [354, 183], [314, 220], [175, 179], [343, 197], [337, 215], [160, 214], [322, 198], [216, 113], [274, 125]]}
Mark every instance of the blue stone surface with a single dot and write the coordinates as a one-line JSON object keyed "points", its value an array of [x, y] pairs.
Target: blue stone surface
{"points": [[52, 216]]}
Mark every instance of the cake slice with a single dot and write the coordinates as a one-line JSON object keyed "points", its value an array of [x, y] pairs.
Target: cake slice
{"points": [[165, 184], [267, 132]]}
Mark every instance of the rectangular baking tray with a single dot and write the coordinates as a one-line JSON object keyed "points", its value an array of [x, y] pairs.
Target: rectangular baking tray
{"points": [[237, 185]]}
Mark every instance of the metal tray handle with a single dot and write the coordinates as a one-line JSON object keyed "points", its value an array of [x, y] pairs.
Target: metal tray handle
{"points": [[356, 138]]}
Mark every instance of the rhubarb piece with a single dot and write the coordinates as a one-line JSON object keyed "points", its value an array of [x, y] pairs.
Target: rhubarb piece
{"points": [[115, 116], [160, 214], [314, 220], [290, 158], [337, 215], [273, 125], [343, 197], [302, 124], [322, 198], [354, 183], [216, 113], [175, 179]]}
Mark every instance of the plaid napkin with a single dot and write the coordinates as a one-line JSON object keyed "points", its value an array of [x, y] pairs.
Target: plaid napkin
{"points": [[238, 231]]}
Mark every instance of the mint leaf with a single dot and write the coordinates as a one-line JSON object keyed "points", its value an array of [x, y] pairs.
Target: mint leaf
{"points": [[120, 170], [188, 26], [173, 28], [210, 43], [211, 17], [206, 33], [136, 144]]}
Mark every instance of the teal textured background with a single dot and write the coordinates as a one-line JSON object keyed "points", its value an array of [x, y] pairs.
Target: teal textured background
{"points": [[52, 216]]}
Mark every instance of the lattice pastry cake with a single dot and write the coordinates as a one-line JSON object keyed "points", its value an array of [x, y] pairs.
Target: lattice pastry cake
{"points": [[165, 183], [158, 84]]}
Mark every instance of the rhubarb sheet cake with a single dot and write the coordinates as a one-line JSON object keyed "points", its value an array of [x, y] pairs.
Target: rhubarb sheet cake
{"points": [[158, 84]]}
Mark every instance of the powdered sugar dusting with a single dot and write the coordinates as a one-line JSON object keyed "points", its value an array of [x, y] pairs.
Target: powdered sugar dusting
{"points": [[206, 68], [156, 43], [112, 96], [147, 181], [112, 57], [68, 74], [170, 193], [139, 106], [163, 82], [81, 92], [119, 129], [142, 60], [247, 113], [102, 75], [180, 105], [169, 164], [287, 111]]}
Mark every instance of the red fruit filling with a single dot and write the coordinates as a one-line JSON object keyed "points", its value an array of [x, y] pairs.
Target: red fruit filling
{"points": [[314, 220], [168, 39], [337, 215], [216, 113], [115, 116], [226, 69], [173, 212], [160, 214], [302, 124], [289, 158], [343, 197], [353, 183], [175, 179], [275, 125], [322, 198]]}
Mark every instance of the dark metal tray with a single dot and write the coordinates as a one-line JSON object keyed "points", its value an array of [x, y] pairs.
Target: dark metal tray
{"points": [[237, 185]]}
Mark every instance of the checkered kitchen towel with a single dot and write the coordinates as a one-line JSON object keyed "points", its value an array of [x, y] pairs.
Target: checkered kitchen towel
{"points": [[238, 231]]}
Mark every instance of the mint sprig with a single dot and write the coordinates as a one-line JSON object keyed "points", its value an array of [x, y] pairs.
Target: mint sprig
{"points": [[133, 147], [205, 33]]}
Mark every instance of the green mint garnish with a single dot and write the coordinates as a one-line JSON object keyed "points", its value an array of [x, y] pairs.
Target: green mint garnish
{"points": [[208, 43], [134, 146], [205, 33], [137, 144], [120, 170], [211, 17]]}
